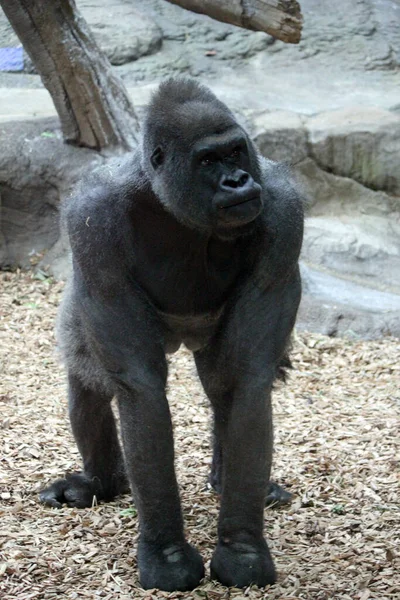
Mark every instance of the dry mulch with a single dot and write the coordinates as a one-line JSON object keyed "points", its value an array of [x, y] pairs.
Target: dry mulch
{"points": [[337, 449]]}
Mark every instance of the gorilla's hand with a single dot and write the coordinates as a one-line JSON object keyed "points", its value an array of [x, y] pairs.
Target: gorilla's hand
{"points": [[173, 567], [241, 564], [76, 490]]}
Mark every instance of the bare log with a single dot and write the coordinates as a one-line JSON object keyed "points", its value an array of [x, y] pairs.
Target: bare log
{"points": [[92, 103], [280, 18]]}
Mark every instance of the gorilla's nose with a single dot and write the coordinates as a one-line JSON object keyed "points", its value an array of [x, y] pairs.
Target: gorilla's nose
{"points": [[235, 181]]}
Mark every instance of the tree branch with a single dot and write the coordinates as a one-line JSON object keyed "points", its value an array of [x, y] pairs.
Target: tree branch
{"points": [[280, 18]]}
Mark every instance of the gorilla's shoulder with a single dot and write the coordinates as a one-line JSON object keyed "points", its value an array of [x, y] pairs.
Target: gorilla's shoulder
{"points": [[107, 189], [281, 186], [275, 174]]}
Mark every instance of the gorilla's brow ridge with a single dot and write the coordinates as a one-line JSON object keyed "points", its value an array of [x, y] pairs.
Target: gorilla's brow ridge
{"points": [[200, 119]]}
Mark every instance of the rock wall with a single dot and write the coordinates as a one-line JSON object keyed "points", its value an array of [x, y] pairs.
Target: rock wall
{"points": [[330, 106], [37, 170]]}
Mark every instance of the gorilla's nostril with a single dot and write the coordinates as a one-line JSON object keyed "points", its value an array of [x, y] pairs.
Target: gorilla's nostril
{"points": [[244, 179], [230, 183], [235, 182]]}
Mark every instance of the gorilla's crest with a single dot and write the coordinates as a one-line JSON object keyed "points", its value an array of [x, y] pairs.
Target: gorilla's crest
{"points": [[183, 110]]}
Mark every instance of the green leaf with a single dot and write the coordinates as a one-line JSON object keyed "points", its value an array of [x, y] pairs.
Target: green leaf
{"points": [[40, 275], [47, 134], [128, 512], [30, 305]]}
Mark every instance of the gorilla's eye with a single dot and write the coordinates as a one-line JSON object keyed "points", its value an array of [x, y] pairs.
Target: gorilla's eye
{"points": [[157, 158], [235, 153], [209, 159]]}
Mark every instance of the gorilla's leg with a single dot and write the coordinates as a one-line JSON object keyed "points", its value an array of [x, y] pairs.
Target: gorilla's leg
{"points": [[95, 432], [276, 494], [215, 477], [165, 559]]}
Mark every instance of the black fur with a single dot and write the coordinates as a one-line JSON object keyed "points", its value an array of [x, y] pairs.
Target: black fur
{"points": [[194, 238]]}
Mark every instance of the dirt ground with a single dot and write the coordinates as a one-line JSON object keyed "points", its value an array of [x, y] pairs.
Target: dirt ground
{"points": [[337, 450]]}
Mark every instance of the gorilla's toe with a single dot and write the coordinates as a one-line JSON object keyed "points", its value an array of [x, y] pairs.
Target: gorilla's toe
{"points": [[76, 490]]}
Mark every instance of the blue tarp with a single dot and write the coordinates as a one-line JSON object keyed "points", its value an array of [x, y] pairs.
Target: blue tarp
{"points": [[11, 59]]}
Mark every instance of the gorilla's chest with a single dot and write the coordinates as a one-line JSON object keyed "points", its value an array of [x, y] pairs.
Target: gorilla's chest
{"points": [[190, 280]]}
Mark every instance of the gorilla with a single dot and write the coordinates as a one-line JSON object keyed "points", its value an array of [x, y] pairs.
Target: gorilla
{"points": [[193, 238]]}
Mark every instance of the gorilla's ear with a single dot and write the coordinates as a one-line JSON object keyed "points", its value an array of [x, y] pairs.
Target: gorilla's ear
{"points": [[157, 158]]}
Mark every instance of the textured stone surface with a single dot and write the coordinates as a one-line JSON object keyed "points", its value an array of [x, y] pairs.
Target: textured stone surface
{"points": [[123, 33], [336, 306], [358, 142], [350, 255], [281, 136], [37, 170], [351, 230], [362, 35], [330, 106], [329, 194], [367, 248]]}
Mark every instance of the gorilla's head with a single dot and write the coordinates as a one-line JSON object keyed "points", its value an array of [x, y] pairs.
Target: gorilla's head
{"points": [[202, 165]]}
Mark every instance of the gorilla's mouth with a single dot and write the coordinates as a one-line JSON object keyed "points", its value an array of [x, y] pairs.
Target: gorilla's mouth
{"points": [[237, 202], [239, 210]]}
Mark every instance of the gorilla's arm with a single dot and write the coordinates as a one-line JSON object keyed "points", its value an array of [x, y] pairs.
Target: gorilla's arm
{"points": [[283, 222], [238, 371], [97, 220]]}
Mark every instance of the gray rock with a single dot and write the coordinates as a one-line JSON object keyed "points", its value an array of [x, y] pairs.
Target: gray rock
{"points": [[362, 35], [329, 194], [358, 142], [37, 170], [343, 291], [338, 307], [337, 320], [58, 259], [386, 15], [329, 105], [351, 230], [355, 36], [123, 33], [367, 248], [8, 39], [281, 136]]}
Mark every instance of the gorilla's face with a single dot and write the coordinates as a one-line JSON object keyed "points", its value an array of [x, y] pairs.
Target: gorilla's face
{"points": [[221, 169], [210, 183]]}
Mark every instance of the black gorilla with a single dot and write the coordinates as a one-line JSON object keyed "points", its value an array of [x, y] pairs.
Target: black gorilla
{"points": [[194, 238]]}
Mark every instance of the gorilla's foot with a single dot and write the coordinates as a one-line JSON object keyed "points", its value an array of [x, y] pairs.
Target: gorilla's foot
{"points": [[177, 567], [77, 490], [241, 564], [277, 495]]}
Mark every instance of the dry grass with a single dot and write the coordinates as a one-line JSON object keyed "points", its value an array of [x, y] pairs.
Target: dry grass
{"points": [[337, 449]]}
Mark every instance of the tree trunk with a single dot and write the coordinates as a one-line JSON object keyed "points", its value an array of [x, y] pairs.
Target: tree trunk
{"points": [[92, 103], [280, 18]]}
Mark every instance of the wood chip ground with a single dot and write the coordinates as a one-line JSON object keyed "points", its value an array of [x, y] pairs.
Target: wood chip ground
{"points": [[337, 449]]}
